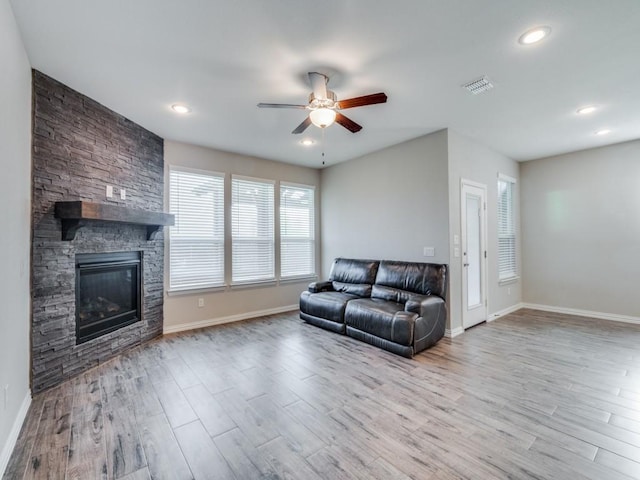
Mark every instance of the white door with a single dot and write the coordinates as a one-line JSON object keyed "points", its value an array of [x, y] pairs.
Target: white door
{"points": [[474, 254]]}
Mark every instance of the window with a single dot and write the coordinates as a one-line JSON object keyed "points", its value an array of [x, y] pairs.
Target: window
{"points": [[196, 241], [297, 228], [506, 228], [252, 230]]}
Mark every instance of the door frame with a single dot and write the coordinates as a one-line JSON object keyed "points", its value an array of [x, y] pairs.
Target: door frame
{"points": [[484, 248]]}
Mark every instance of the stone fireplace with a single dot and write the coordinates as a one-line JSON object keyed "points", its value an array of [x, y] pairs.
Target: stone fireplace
{"points": [[80, 147]]}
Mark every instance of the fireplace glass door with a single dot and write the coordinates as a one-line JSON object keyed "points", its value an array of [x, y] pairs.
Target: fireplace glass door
{"points": [[108, 293]]}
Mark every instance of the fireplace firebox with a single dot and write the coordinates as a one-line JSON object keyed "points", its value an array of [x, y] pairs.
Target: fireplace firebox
{"points": [[108, 293]]}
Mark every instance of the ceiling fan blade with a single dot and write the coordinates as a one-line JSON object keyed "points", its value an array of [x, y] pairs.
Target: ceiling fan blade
{"points": [[280, 105], [362, 101], [303, 126], [319, 85], [347, 123]]}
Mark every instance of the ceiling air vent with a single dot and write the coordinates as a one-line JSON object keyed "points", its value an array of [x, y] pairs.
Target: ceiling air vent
{"points": [[479, 85]]}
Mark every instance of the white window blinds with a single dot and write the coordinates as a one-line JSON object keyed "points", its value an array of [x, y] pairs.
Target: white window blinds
{"points": [[506, 228], [196, 242], [297, 230], [252, 230]]}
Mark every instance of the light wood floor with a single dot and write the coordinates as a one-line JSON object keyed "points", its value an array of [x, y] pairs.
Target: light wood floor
{"points": [[531, 395]]}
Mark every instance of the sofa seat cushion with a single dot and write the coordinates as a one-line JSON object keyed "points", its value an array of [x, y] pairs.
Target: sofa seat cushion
{"points": [[396, 295], [327, 305], [359, 289], [381, 318]]}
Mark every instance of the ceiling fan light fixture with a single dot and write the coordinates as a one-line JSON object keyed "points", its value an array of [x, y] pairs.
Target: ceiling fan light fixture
{"points": [[323, 105], [322, 117]]}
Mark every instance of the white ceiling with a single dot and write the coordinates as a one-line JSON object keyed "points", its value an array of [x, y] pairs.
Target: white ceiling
{"points": [[223, 57]]}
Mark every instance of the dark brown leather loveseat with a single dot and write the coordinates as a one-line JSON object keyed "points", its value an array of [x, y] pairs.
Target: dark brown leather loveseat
{"points": [[398, 306]]}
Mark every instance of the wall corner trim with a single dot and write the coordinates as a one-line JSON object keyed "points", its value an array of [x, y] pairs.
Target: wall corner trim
{"points": [[10, 444], [614, 317], [453, 333], [228, 319]]}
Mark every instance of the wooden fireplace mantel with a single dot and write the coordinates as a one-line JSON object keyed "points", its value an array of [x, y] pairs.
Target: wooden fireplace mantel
{"points": [[77, 214]]}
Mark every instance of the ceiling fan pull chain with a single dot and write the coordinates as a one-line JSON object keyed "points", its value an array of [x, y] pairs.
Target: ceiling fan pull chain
{"points": [[323, 145]]}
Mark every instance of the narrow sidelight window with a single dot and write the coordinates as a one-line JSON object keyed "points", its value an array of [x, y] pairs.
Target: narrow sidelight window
{"points": [[506, 229]]}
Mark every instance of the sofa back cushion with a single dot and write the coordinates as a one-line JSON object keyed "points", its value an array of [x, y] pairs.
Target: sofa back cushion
{"points": [[398, 280], [345, 270]]}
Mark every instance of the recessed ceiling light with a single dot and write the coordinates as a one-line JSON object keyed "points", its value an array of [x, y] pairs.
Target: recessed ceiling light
{"points": [[586, 110], [534, 35], [180, 108], [307, 142], [604, 131]]}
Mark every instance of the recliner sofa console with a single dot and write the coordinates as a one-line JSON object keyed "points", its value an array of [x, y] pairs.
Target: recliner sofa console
{"points": [[398, 306]]}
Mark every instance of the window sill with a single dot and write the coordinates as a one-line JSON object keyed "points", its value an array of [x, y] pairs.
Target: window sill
{"points": [[195, 290], [271, 282], [508, 281], [300, 279]]}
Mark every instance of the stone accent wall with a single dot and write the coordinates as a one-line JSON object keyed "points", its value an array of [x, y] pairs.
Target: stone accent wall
{"points": [[80, 147]]}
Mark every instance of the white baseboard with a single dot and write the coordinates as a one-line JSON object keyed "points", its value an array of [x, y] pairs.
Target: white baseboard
{"points": [[10, 444], [583, 313], [505, 311], [548, 308], [453, 333], [229, 319]]}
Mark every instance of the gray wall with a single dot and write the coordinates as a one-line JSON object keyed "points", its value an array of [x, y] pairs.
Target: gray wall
{"points": [[470, 160], [388, 204], [581, 230], [15, 198], [392, 203], [181, 310]]}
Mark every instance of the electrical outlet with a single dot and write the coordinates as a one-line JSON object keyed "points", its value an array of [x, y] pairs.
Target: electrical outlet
{"points": [[109, 191], [200, 302], [429, 252], [509, 291], [123, 194]]}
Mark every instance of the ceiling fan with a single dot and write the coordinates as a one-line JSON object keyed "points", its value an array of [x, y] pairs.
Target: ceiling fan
{"points": [[324, 106]]}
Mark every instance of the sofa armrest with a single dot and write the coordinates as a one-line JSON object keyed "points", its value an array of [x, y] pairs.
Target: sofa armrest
{"points": [[431, 323], [316, 287], [424, 305]]}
